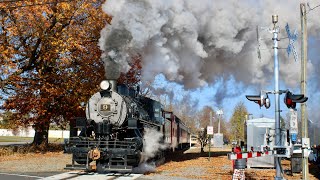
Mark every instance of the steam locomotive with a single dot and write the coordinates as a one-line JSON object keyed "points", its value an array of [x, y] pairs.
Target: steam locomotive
{"points": [[112, 133]]}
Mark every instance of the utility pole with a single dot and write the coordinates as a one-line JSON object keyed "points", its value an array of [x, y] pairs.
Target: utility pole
{"points": [[275, 39], [220, 113], [219, 125], [210, 134], [211, 118], [304, 57]]}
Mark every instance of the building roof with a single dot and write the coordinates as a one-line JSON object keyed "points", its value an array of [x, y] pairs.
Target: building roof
{"points": [[261, 122]]}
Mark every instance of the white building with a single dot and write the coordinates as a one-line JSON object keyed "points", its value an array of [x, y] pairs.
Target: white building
{"points": [[257, 129]]}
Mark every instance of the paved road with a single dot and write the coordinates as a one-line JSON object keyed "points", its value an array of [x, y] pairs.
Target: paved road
{"points": [[73, 175], [9, 176]]}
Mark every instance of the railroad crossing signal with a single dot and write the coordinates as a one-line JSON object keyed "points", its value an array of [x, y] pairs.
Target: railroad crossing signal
{"points": [[291, 100], [262, 100]]}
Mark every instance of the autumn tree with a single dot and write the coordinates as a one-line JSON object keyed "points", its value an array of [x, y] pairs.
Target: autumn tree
{"points": [[203, 117], [50, 61], [203, 138], [237, 122], [133, 77], [6, 122], [186, 109]]}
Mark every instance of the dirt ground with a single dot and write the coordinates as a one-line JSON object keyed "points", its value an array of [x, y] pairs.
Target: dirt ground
{"points": [[190, 164]]}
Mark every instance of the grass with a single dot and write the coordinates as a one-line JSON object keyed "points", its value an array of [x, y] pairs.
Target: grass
{"points": [[55, 145], [15, 139], [27, 139], [16, 150]]}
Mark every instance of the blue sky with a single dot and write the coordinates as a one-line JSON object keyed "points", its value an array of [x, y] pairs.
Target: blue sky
{"points": [[237, 91]]}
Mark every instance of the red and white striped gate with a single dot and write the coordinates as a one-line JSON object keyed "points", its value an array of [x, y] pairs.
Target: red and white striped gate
{"points": [[239, 174], [245, 155]]}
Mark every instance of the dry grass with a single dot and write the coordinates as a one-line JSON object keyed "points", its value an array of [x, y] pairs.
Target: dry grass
{"points": [[18, 150]]}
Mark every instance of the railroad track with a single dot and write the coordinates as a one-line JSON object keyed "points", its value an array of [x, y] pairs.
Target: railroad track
{"points": [[79, 175]]}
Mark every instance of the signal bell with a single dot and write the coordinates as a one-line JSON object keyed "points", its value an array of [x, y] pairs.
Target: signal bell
{"points": [[291, 100], [267, 102]]}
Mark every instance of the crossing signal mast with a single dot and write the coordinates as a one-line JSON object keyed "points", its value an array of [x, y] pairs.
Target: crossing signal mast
{"points": [[290, 99], [279, 150]]}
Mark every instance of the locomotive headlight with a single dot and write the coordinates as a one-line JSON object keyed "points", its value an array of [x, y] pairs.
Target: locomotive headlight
{"points": [[104, 85]]}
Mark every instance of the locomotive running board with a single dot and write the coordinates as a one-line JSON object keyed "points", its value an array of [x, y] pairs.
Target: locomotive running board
{"points": [[75, 167], [117, 168], [114, 168]]}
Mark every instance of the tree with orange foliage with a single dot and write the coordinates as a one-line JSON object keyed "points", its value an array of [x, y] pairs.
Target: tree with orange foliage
{"points": [[133, 76], [49, 60]]}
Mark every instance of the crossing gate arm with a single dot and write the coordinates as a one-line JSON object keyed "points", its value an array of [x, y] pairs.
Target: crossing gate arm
{"points": [[246, 155]]}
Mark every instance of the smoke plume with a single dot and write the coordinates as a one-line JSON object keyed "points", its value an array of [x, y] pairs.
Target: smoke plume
{"points": [[197, 42]]}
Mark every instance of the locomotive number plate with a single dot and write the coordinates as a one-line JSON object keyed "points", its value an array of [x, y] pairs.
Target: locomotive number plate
{"points": [[105, 107]]}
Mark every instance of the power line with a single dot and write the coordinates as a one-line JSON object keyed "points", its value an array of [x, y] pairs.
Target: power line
{"points": [[310, 9]]}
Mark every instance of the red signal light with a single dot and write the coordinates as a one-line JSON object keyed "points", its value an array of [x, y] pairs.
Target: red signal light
{"points": [[291, 100]]}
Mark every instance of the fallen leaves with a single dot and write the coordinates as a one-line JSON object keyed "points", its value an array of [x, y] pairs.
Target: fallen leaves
{"points": [[195, 165]]}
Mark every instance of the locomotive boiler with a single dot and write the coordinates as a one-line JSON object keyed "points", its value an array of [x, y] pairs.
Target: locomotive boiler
{"points": [[111, 137]]}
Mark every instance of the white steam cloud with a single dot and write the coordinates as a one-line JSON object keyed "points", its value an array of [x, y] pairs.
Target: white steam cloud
{"points": [[195, 43], [144, 168], [151, 144]]}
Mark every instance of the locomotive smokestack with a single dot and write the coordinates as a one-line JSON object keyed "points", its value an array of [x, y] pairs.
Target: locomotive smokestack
{"points": [[113, 84]]}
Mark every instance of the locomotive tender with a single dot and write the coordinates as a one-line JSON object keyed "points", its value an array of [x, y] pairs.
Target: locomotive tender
{"points": [[112, 133]]}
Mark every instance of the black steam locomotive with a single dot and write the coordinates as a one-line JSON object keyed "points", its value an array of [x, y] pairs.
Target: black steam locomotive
{"points": [[112, 134]]}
